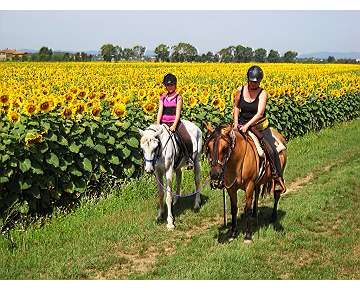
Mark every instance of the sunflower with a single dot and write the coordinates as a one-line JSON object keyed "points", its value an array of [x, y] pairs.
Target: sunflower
{"points": [[13, 116], [119, 110], [191, 101], [66, 113], [45, 106], [96, 111], [149, 107], [80, 108], [30, 109], [4, 99]]}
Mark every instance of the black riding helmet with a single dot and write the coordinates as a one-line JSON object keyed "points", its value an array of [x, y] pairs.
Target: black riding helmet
{"points": [[255, 74], [169, 79]]}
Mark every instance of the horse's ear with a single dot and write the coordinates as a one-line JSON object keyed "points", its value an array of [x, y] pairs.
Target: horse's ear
{"points": [[208, 127], [141, 132]]}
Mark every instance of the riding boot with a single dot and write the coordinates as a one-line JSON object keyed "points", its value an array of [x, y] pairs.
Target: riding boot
{"points": [[277, 178]]}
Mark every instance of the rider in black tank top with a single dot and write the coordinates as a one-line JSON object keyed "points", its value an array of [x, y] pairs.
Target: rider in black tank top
{"points": [[244, 113], [248, 110]]}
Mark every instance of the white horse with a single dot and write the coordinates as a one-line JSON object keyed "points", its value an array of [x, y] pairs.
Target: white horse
{"points": [[160, 153]]}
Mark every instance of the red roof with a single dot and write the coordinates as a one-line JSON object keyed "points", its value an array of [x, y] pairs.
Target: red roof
{"points": [[12, 51]]}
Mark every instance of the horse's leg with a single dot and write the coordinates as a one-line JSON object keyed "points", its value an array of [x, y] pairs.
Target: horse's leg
{"points": [[249, 191], [170, 220], [255, 205], [233, 201], [178, 184], [197, 170], [276, 200], [160, 185]]}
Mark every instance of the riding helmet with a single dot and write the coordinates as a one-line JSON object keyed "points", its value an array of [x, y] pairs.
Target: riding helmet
{"points": [[169, 79], [255, 74]]}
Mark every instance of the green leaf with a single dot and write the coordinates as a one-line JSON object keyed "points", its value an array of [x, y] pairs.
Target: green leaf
{"points": [[52, 159], [24, 184], [5, 157], [24, 207], [25, 165], [69, 187], [74, 148], [62, 141], [133, 142], [100, 148], [87, 164], [3, 179], [74, 171], [80, 185], [120, 133], [126, 152], [89, 142], [52, 137], [114, 159], [36, 168], [111, 140]]}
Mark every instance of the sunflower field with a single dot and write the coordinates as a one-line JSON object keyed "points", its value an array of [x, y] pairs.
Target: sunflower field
{"points": [[65, 125]]}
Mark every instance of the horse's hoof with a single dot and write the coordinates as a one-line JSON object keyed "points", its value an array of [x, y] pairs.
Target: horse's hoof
{"points": [[273, 218], [196, 208], [170, 227], [247, 241]]}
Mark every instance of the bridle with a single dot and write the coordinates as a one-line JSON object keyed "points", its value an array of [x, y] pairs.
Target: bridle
{"points": [[157, 149], [231, 140]]}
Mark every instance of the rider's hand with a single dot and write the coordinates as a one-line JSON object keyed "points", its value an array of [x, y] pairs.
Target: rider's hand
{"points": [[172, 128], [244, 128], [236, 127]]}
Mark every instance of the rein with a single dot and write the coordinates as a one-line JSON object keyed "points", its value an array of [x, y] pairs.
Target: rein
{"points": [[232, 142], [157, 153]]}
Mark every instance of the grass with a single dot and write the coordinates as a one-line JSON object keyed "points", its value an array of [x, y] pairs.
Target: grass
{"points": [[316, 237]]}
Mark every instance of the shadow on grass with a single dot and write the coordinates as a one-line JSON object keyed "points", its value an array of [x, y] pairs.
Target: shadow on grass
{"points": [[184, 204], [263, 220]]}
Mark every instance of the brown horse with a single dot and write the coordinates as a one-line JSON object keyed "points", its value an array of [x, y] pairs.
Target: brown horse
{"points": [[235, 164]]}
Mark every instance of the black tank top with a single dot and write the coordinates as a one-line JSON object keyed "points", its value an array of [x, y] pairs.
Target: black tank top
{"points": [[247, 110]]}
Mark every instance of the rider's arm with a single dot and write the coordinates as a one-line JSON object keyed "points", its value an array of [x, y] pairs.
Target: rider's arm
{"points": [[236, 109], [178, 111], [160, 112], [261, 109]]}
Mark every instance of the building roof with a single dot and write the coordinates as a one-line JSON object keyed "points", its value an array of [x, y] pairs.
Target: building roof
{"points": [[12, 51]]}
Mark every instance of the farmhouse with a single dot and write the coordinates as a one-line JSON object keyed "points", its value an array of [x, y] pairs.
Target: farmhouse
{"points": [[10, 54]]}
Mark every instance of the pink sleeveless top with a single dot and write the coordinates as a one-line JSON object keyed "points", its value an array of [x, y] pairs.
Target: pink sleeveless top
{"points": [[169, 108]]}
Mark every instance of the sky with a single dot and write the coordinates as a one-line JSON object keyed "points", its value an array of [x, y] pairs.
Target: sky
{"points": [[302, 31]]}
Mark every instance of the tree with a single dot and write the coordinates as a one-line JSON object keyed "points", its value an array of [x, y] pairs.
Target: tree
{"points": [[128, 54], [331, 59], [118, 52], [183, 52], [108, 52], [45, 53], [139, 51], [248, 54], [273, 56], [260, 55], [207, 57], [162, 52], [290, 56], [227, 54], [239, 55]]}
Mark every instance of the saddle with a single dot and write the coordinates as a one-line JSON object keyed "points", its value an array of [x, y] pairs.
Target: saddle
{"points": [[278, 144], [279, 147]]}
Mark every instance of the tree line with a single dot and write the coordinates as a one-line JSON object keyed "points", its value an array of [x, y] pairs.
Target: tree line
{"points": [[47, 54], [181, 52], [185, 52]]}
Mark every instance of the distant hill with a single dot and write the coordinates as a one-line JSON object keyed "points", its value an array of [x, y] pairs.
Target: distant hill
{"points": [[326, 54]]}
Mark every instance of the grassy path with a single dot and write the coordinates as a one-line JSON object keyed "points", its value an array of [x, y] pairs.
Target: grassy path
{"points": [[317, 235]]}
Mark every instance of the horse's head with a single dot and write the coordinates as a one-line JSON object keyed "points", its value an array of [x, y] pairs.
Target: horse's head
{"points": [[218, 148], [150, 144]]}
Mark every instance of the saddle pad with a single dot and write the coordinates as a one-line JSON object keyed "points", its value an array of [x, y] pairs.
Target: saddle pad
{"points": [[278, 144]]}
